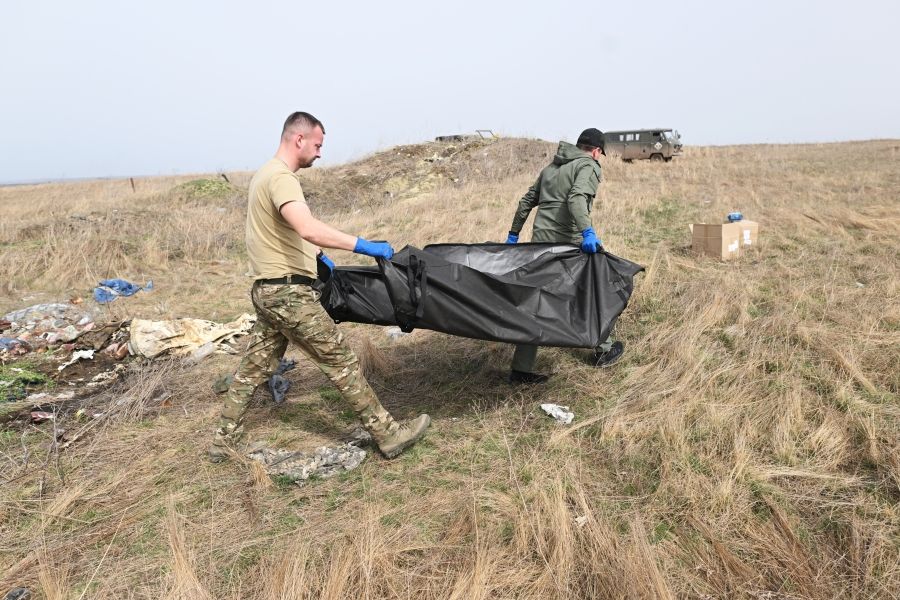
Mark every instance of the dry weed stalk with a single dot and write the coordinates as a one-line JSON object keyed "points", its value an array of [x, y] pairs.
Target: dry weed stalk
{"points": [[746, 447]]}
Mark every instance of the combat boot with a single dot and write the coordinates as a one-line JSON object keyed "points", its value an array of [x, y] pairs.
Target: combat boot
{"points": [[399, 438], [223, 443], [610, 357]]}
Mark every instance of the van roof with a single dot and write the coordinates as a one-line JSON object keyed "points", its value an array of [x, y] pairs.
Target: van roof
{"points": [[637, 130]]}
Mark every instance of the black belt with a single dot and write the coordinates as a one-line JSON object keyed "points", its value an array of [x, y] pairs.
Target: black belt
{"points": [[288, 280]]}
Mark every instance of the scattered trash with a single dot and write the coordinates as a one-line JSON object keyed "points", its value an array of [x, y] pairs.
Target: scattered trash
{"points": [[45, 398], [278, 385], [76, 356], [860, 284], [46, 324], [101, 336], [202, 352], [110, 289], [18, 593], [560, 413], [14, 346], [117, 351], [299, 466], [581, 521], [39, 416], [395, 333], [183, 336], [106, 377]]}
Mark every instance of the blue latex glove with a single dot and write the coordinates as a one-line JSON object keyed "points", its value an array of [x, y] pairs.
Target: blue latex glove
{"points": [[373, 249], [326, 261], [591, 243], [512, 238]]}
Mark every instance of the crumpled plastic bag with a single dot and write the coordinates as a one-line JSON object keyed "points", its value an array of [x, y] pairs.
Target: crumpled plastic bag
{"points": [[14, 345], [110, 289], [560, 413]]}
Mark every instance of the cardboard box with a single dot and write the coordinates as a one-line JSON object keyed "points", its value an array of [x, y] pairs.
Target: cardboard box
{"points": [[724, 240], [749, 233]]}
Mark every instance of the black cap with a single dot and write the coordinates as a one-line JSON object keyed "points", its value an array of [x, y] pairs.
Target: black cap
{"points": [[591, 137]]}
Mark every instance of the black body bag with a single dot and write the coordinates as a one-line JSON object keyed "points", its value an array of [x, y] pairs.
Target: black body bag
{"points": [[543, 294]]}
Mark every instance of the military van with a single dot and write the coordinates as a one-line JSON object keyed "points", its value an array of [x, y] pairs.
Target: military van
{"points": [[652, 144]]}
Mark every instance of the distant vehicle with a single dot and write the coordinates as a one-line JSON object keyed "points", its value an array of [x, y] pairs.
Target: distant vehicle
{"points": [[480, 134], [652, 144]]}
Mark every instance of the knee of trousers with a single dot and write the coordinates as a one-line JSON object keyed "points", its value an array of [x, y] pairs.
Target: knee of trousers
{"points": [[236, 400]]}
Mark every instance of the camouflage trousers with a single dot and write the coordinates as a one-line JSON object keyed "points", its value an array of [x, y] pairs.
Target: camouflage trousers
{"points": [[292, 313]]}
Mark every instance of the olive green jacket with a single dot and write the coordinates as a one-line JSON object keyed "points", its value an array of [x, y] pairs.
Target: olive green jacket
{"points": [[563, 193]]}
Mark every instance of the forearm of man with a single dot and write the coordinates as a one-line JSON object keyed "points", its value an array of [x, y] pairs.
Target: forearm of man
{"points": [[578, 204], [528, 201], [312, 230]]}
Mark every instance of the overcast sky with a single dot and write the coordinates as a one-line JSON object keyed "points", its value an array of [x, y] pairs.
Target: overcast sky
{"points": [[102, 88]]}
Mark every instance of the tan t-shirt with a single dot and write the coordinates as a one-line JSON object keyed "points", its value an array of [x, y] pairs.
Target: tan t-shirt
{"points": [[274, 248]]}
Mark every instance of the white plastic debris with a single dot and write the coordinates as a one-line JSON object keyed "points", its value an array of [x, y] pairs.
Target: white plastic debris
{"points": [[45, 398], [76, 356], [202, 352], [395, 333], [560, 413]]}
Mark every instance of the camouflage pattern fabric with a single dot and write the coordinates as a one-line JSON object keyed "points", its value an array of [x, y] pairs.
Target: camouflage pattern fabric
{"points": [[292, 313]]}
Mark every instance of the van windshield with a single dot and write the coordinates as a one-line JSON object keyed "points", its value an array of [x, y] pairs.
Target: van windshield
{"points": [[671, 136]]}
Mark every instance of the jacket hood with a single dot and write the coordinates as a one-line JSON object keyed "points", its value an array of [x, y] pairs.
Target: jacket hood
{"points": [[568, 152]]}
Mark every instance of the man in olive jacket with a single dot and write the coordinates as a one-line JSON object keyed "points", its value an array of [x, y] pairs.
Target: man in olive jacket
{"points": [[563, 194]]}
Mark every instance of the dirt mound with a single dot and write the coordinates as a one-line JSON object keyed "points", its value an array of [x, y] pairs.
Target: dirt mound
{"points": [[413, 170]]}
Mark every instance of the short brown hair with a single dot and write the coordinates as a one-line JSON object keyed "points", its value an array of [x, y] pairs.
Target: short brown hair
{"points": [[301, 119]]}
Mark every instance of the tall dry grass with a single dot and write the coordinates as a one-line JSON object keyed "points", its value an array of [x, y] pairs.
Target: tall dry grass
{"points": [[745, 447]]}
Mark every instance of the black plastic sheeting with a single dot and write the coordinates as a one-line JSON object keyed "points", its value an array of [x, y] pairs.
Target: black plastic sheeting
{"points": [[539, 294]]}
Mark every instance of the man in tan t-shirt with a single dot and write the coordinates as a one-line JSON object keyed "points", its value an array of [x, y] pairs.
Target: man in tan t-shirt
{"points": [[283, 240]]}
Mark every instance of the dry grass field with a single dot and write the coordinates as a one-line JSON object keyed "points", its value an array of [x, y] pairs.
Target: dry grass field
{"points": [[746, 446]]}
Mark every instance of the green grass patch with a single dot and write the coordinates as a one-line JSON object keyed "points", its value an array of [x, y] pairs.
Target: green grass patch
{"points": [[661, 532], [16, 379], [204, 188], [329, 394]]}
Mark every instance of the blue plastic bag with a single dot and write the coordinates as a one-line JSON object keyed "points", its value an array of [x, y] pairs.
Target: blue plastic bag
{"points": [[110, 289]]}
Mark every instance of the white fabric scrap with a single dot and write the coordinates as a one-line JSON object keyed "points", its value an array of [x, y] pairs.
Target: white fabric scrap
{"points": [[560, 413], [76, 356]]}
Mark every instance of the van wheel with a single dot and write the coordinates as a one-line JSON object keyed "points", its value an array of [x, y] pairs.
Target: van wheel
{"points": [[656, 157]]}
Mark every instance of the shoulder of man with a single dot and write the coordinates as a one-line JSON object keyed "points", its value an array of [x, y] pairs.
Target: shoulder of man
{"points": [[284, 187], [587, 163]]}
